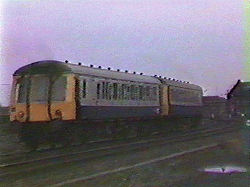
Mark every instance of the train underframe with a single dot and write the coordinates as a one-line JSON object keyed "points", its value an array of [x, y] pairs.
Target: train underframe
{"points": [[66, 133]]}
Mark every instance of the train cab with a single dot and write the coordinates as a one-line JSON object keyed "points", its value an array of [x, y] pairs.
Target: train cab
{"points": [[43, 92]]}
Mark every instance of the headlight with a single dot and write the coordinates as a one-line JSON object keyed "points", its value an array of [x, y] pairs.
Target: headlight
{"points": [[20, 114], [58, 113]]}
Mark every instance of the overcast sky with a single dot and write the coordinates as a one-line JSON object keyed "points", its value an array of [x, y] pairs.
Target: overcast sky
{"points": [[200, 41]]}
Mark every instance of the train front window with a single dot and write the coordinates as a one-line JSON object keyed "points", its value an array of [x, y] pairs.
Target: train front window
{"points": [[22, 86], [59, 89], [39, 89]]}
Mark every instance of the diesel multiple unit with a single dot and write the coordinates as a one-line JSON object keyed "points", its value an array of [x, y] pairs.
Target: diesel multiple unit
{"points": [[51, 90]]}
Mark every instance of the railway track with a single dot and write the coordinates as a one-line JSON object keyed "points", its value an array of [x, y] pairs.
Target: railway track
{"points": [[90, 143], [49, 150], [15, 168], [24, 154]]}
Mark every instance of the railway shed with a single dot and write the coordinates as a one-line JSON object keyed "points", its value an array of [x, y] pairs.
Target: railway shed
{"points": [[239, 99], [214, 107]]}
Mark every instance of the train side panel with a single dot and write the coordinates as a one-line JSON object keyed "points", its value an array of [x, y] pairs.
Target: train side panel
{"points": [[184, 102], [101, 102]]}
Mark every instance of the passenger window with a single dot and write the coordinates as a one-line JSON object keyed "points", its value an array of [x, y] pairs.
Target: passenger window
{"points": [[132, 94], [119, 91], [123, 91], [98, 90], [147, 93], [128, 92], [84, 88], [22, 92], [136, 93], [106, 90], [154, 93], [110, 90], [115, 91], [103, 90], [140, 92]]}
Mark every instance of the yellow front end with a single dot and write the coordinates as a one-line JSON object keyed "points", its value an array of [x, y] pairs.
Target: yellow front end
{"points": [[43, 111]]}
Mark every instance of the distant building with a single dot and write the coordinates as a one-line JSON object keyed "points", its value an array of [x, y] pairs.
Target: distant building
{"points": [[214, 107], [239, 99]]}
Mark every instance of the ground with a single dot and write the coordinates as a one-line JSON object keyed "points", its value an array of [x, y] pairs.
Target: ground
{"points": [[181, 171]]}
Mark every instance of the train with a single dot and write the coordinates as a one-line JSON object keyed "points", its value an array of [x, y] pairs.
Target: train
{"points": [[57, 93]]}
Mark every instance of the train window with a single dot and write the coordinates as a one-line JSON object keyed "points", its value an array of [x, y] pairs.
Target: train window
{"points": [[140, 92], [84, 84], [123, 91], [98, 90], [106, 90], [147, 93], [128, 92], [103, 90], [115, 90], [143, 93], [39, 89], [132, 93], [22, 91], [119, 91], [110, 89], [136, 93], [58, 90], [154, 92]]}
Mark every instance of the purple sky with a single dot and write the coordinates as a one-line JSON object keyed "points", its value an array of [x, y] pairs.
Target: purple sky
{"points": [[200, 41]]}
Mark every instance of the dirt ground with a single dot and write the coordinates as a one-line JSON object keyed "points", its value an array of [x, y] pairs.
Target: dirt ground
{"points": [[184, 171]]}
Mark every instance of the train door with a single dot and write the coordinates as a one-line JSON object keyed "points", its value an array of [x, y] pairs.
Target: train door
{"points": [[88, 90], [164, 100]]}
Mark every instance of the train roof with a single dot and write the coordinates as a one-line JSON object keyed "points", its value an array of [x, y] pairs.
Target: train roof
{"points": [[53, 67], [180, 84]]}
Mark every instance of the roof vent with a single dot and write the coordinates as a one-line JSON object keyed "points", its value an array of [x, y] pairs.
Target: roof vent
{"points": [[164, 77], [169, 78], [126, 71], [118, 70], [109, 68], [134, 72], [141, 73], [66, 61], [173, 79], [100, 67], [79, 63], [155, 75], [91, 66], [159, 76]]}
